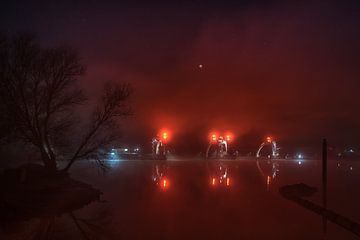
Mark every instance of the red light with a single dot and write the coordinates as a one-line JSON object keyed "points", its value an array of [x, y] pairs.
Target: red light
{"points": [[213, 181], [213, 137], [227, 181], [164, 184], [229, 136], [165, 135], [268, 139]]}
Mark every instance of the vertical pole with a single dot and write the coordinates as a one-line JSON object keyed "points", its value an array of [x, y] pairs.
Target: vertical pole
{"points": [[324, 182]]}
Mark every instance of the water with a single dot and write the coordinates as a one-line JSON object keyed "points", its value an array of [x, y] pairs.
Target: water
{"points": [[198, 199]]}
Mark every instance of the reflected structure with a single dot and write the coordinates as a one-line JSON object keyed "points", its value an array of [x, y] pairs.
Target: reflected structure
{"points": [[160, 176], [269, 170], [219, 174]]}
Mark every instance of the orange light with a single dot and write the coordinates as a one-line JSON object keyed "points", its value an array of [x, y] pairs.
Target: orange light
{"points": [[229, 136], [268, 139], [165, 184], [213, 182], [227, 181], [165, 135], [213, 137], [268, 180]]}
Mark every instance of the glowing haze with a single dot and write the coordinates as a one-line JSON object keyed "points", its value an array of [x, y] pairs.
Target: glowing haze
{"points": [[290, 70]]}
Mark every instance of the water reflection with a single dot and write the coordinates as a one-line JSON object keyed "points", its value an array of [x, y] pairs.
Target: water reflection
{"points": [[60, 226], [269, 170], [346, 166], [196, 200], [219, 174], [159, 175], [112, 163]]}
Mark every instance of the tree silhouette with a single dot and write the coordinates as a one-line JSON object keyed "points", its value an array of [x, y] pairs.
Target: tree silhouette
{"points": [[39, 94]]}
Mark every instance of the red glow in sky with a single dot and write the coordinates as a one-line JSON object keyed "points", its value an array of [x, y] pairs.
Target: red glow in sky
{"points": [[282, 67]]}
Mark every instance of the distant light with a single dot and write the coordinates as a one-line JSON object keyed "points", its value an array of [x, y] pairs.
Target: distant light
{"points": [[213, 182], [300, 156], [351, 168], [351, 150], [299, 162], [213, 137], [165, 135], [112, 154], [268, 139], [228, 138], [268, 179], [126, 150], [200, 66]]}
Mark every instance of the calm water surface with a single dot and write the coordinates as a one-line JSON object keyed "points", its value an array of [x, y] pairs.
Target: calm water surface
{"points": [[198, 199], [218, 199]]}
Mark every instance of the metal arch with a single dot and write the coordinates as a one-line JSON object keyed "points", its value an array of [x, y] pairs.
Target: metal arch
{"points": [[274, 149], [259, 149], [217, 146]]}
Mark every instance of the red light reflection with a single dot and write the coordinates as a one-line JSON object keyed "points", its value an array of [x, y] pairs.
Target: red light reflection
{"points": [[213, 181], [164, 184]]}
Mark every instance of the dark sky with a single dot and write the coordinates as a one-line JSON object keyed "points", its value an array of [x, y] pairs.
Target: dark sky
{"points": [[286, 68]]}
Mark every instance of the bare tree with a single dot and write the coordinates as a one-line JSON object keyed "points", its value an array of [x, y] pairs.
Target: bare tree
{"points": [[38, 94], [112, 105]]}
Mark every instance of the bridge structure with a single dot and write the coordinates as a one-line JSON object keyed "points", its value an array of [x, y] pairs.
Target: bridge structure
{"points": [[274, 149]]}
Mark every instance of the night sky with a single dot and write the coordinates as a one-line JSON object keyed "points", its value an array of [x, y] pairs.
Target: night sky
{"points": [[286, 68]]}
